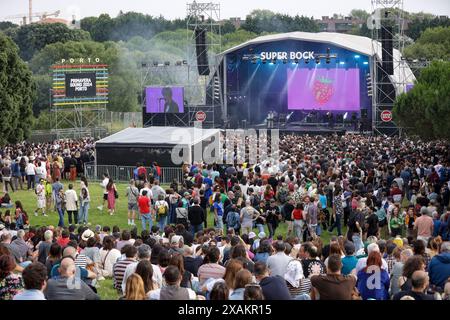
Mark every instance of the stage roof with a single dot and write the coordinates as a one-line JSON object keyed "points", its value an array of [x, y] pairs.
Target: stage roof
{"points": [[157, 136], [359, 44]]}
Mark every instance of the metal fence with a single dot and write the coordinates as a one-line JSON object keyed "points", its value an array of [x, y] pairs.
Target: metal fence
{"points": [[95, 172]]}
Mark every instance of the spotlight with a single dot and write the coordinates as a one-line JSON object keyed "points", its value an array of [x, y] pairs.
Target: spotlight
{"points": [[327, 60], [144, 65], [356, 56], [264, 61], [296, 61], [365, 62], [317, 60], [184, 61], [273, 61], [285, 61], [342, 62], [306, 61], [254, 60], [345, 115], [155, 63], [178, 63], [167, 63]]}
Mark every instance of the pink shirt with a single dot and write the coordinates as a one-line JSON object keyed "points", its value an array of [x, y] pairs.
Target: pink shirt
{"points": [[424, 225]]}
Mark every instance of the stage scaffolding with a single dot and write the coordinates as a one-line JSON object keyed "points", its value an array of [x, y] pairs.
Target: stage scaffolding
{"points": [[388, 23]]}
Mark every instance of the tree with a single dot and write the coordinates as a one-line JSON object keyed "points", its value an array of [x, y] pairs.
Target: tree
{"points": [[425, 109], [17, 93], [33, 37], [4, 25], [227, 27], [420, 22], [434, 43]]}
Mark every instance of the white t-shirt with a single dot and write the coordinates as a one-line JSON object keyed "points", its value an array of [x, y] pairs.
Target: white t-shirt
{"points": [[30, 169], [362, 263], [104, 184], [131, 268], [149, 192], [71, 199], [111, 258]]}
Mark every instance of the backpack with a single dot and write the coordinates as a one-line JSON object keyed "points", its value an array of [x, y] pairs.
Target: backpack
{"points": [[141, 173], [162, 210]]}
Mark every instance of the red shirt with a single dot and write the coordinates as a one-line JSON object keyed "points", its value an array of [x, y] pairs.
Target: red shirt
{"points": [[144, 204], [298, 214], [63, 241]]}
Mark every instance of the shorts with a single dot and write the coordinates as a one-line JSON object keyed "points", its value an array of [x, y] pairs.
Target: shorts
{"points": [[41, 204], [132, 206], [105, 196]]}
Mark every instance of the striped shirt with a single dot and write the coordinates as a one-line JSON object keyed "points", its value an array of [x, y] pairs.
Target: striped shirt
{"points": [[119, 271], [304, 288], [210, 270], [81, 260]]}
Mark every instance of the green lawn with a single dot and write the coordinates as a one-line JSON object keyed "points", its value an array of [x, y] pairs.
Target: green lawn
{"points": [[97, 217]]}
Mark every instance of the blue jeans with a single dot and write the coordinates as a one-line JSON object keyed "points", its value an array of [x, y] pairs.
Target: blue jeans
{"points": [[30, 181], [162, 221], [337, 224], [83, 213], [303, 296], [144, 218], [219, 224], [196, 228], [61, 217], [260, 227], [172, 213]]}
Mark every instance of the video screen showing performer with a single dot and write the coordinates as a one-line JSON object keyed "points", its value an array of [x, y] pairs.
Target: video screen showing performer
{"points": [[164, 99]]}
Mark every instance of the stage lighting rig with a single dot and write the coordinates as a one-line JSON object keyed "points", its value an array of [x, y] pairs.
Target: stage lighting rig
{"points": [[273, 61]]}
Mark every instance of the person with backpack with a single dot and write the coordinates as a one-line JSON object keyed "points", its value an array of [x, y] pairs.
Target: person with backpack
{"points": [[162, 211], [233, 219], [132, 194]]}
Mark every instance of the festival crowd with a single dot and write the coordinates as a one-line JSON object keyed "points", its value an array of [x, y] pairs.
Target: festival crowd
{"points": [[383, 202]]}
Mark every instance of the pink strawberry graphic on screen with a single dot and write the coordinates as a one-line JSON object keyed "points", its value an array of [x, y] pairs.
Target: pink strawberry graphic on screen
{"points": [[323, 90]]}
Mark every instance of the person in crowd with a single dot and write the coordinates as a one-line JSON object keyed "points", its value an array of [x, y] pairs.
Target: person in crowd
{"points": [[71, 204], [419, 284], [135, 288], [112, 196], [121, 265], [145, 204], [68, 285], [10, 284], [439, 267], [333, 285], [219, 291], [367, 290], [273, 287], [349, 261], [253, 291], [278, 262], [173, 290], [34, 278], [211, 269], [108, 256], [85, 199], [397, 271], [243, 278], [161, 209], [132, 194], [104, 185]]}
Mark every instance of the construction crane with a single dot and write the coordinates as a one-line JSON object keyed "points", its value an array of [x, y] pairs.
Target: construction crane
{"points": [[40, 15]]}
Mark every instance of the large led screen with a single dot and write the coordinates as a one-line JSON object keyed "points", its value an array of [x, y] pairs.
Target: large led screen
{"points": [[164, 99], [331, 89]]}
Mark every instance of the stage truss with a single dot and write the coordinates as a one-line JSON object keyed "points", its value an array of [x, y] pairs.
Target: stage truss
{"points": [[387, 87], [204, 16], [80, 116]]}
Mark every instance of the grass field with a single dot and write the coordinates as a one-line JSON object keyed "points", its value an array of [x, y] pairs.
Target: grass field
{"points": [[97, 217]]}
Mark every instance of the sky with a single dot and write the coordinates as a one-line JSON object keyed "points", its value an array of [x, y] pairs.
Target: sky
{"points": [[229, 8]]}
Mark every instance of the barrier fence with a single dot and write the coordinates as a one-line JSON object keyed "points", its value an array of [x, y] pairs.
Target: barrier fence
{"points": [[95, 172]]}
